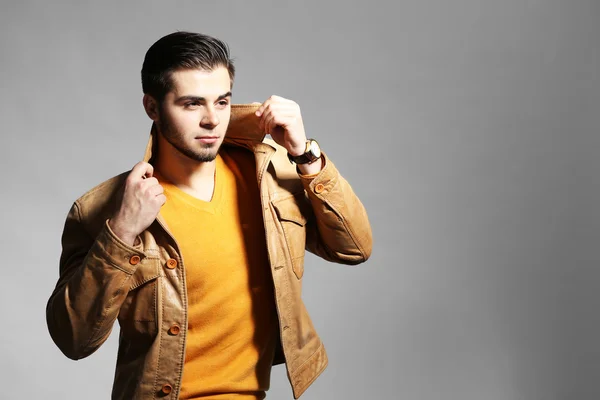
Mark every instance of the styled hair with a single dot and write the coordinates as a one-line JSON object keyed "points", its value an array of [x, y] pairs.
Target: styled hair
{"points": [[182, 50]]}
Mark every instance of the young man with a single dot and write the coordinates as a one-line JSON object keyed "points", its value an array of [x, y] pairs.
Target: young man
{"points": [[198, 251]]}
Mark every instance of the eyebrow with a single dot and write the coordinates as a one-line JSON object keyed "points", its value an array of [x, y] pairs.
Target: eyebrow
{"points": [[200, 99]]}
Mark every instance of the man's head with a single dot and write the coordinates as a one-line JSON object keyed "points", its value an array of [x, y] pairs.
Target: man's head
{"points": [[187, 79], [181, 51]]}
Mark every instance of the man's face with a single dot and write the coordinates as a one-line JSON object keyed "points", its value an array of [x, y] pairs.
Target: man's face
{"points": [[194, 116]]}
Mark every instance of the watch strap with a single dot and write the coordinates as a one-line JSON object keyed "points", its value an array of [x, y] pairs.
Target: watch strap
{"points": [[306, 158]]}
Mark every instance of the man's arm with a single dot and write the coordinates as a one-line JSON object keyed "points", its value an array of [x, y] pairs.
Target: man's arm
{"points": [[92, 286], [340, 231], [95, 271]]}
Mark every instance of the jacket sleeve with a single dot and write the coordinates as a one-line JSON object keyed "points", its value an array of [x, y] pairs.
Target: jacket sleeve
{"points": [[92, 285], [340, 230]]}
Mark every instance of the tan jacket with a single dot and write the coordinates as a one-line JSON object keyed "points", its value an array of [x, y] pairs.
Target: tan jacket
{"points": [[102, 279]]}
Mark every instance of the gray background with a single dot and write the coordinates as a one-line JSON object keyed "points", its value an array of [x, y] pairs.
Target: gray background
{"points": [[470, 130]]}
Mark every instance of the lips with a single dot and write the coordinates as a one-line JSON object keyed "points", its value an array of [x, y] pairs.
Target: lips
{"points": [[207, 139]]}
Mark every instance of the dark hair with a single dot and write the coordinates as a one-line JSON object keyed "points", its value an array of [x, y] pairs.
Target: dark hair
{"points": [[181, 50]]}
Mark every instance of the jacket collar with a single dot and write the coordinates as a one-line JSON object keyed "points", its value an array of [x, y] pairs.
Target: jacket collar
{"points": [[243, 130]]}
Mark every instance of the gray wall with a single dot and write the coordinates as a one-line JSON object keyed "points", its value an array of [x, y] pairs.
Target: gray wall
{"points": [[470, 129]]}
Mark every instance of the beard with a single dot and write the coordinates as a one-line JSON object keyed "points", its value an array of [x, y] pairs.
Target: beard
{"points": [[206, 153]]}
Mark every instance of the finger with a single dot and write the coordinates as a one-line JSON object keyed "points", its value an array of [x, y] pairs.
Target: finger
{"points": [[267, 112], [149, 171], [270, 123], [273, 100], [273, 111], [147, 183], [161, 199], [156, 190], [262, 107], [265, 118], [142, 170]]}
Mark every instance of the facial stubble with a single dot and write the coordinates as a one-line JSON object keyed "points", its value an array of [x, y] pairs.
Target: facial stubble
{"points": [[177, 140]]}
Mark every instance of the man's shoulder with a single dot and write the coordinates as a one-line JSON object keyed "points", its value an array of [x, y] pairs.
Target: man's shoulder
{"points": [[102, 190], [99, 202]]}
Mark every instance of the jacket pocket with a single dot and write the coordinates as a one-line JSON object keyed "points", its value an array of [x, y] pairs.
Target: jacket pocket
{"points": [[293, 222], [138, 316]]}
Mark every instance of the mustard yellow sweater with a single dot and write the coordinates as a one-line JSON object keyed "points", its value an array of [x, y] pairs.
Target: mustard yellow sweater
{"points": [[232, 332]]}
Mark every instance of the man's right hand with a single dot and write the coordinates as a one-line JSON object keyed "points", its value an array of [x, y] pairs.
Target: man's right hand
{"points": [[142, 199]]}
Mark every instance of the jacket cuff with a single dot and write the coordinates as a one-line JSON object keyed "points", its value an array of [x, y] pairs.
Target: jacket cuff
{"points": [[321, 183], [120, 254]]}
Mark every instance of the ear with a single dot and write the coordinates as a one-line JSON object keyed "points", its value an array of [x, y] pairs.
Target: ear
{"points": [[151, 107]]}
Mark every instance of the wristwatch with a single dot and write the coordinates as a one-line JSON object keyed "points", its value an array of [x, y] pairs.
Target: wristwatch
{"points": [[311, 154]]}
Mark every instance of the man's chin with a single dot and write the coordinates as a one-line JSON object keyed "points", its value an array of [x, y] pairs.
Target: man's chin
{"points": [[207, 155]]}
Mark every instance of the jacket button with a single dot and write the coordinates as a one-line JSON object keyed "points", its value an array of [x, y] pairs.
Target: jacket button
{"points": [[171, 263], [174, 330], [134, 260], [166, 388], [319, 188]]}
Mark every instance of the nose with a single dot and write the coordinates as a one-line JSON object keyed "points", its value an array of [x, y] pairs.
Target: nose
{"points": [[210, 119]]}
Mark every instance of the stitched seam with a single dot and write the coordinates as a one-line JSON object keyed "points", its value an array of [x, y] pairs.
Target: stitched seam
{"points": [[116, 240], [288, 307], [317, 374], [301, 220], [184, 336], [263, 169], [138, 284], [109, 259], [350, 233], [154, 391], [346, 228], [153, 304], [289, 251], [300, 369]]}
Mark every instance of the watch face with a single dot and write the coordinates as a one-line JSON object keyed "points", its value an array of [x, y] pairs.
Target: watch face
{"points": [[315, 149]]}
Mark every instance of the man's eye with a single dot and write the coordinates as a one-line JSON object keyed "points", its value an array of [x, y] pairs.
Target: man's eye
{"points": [[223, 103], [191, 105]]}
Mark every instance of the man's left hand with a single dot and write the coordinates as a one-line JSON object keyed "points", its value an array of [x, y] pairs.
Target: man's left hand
{"points": [[281, 119]]}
